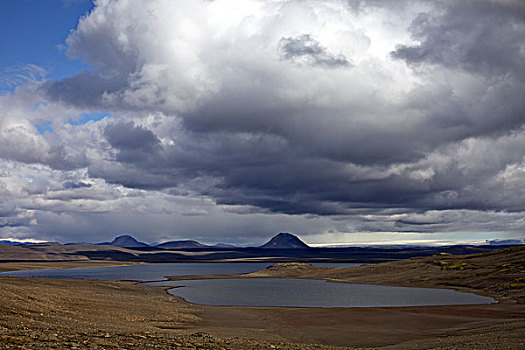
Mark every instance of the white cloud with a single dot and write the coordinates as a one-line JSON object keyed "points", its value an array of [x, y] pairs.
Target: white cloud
{"points": [[255, 116]]}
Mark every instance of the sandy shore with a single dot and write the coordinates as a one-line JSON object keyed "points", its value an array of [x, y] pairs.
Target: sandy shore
{"points": [[38, 265], [46, 313]]}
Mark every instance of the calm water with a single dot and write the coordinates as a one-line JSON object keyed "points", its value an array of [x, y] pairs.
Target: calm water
{"points": [[151, 272], [312, 293], [263, 292]]}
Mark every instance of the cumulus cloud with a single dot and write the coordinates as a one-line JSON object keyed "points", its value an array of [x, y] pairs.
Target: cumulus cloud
{"points": [[482, 37], [367, 115], [305, 49]]}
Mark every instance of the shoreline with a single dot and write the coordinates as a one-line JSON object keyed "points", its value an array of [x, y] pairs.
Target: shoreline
{"points": [[246, 276], [60, 264], [40, 265], [370, 327], [81, 311]]}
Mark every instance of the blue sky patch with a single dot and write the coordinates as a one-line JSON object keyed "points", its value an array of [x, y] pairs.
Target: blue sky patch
{"points": [[44, 126], [34, 35], [39, 104], [87, 117]]}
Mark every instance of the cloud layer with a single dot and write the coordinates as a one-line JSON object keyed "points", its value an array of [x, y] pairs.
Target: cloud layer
{"points": [[333, 116]]}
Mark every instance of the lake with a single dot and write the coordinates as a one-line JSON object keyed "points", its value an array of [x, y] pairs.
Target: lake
{"points": [[312, 293], [263, 292], [152, 272]]}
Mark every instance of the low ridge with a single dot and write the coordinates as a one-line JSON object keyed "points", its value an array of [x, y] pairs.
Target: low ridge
{"points": [[285, 241], [223, 245], [185, 244]]}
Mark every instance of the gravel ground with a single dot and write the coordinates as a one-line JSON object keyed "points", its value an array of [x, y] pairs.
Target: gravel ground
{"points": [[87, 314]]}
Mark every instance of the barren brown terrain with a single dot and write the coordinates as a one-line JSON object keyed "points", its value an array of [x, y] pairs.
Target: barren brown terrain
{"points": [[38, 265], [88, 314], [499, 274], [46, 313]]}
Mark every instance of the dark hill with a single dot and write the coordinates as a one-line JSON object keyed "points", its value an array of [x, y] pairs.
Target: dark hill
{"points": [[186, 244], [10, 242], [285, 241], [127, 241], [223, 245]]}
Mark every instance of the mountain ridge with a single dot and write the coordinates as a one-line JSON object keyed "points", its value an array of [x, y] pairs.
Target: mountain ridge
{"points": [[285, 240], [127, 241], [182, 244]]}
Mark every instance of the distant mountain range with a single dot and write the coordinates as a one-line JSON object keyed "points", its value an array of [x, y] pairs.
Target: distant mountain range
{"points": [[280, 241], [10, 242], [282, 247], [505, 242]]}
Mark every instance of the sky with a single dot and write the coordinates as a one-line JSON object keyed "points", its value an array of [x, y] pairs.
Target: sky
{"points": [[341, 121]]}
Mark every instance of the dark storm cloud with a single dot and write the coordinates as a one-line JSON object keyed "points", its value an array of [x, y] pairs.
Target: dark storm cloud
{"points": [[307, 49], [482, 37], [85, 89], [261, 173], [403, 223], [133, 143], [340, 121], [13, 224], [324, 143]]}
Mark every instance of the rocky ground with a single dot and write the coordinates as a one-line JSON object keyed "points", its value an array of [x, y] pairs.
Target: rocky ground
{"points": [[57, 339], [81, 314]]}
